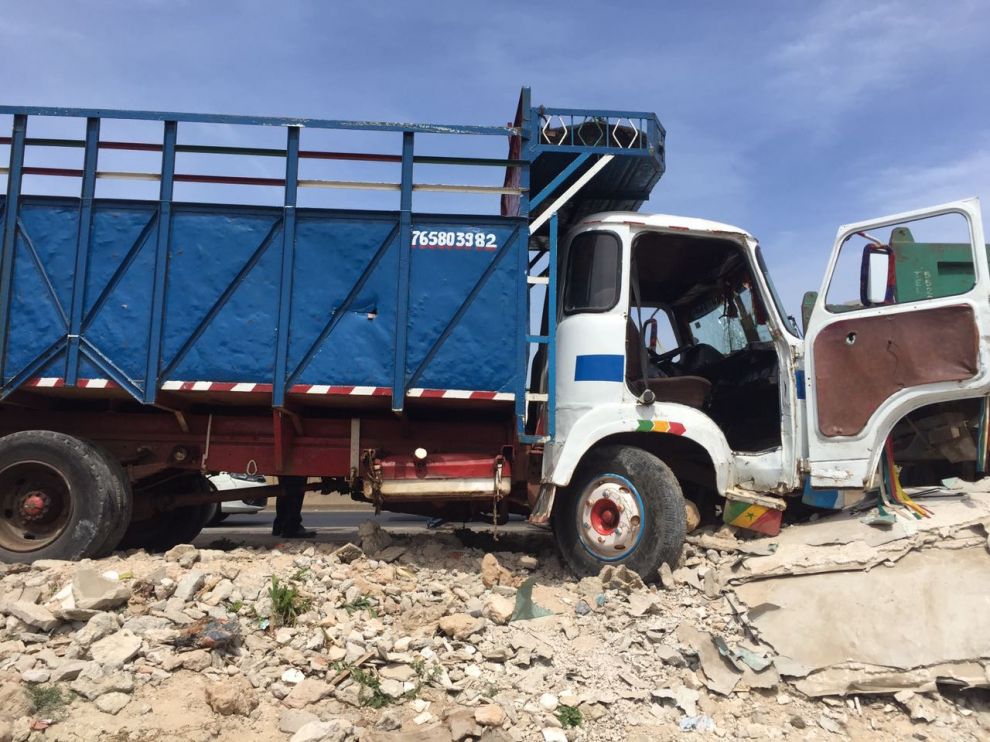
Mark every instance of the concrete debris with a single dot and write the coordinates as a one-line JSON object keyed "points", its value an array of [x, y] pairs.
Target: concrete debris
{"points": [[620, 577], [93, 591], [424, 638], [493, 573], [235, 696], [116, 649], [348, 553], [33, 615], [936, 568], [373, 538]]}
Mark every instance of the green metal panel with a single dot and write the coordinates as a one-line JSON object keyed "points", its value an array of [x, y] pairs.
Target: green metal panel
{"points": [[930, 270]]}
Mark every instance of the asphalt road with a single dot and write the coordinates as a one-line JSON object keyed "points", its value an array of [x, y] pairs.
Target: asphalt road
{"points": [[340, 525]]}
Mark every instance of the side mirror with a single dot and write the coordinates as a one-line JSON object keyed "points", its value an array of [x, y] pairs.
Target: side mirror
{"points": [[877, 276], [650, 331], [807, 304]]}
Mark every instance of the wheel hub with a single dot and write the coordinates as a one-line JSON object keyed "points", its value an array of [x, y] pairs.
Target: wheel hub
{"points": [[609, 518], [35, 506]]}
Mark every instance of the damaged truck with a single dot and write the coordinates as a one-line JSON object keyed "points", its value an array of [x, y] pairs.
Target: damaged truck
{"points": [[608, 373]]}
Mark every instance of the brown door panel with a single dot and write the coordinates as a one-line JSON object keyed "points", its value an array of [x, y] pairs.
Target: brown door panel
{"points": [[859, 363]]}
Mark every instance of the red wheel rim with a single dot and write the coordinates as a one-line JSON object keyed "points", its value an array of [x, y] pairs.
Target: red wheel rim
{"points": [[604, 516]]}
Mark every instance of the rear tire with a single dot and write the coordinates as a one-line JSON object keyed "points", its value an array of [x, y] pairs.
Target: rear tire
{"points": [[57, 497], [173, 527], [216, 513], [595, 518], [122, 500]]}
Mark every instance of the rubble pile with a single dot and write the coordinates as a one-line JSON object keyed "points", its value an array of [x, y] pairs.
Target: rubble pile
{"points": [[423, 638]]}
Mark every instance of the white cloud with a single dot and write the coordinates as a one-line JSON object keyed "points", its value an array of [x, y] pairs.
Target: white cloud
{"points": [[903, 188], [851, 54]]}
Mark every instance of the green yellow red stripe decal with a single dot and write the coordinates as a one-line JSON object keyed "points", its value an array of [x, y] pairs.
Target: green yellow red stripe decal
{"points": [[659, 426]]}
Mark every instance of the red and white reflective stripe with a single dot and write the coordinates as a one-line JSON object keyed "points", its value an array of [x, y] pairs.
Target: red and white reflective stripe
{"points": [[216, 386], [461, 394], [384, 391], [55, 382], [364, 391], [51, 382]]}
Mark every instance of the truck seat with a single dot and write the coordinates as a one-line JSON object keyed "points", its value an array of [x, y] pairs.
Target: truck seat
{"points": [[692, 391]]}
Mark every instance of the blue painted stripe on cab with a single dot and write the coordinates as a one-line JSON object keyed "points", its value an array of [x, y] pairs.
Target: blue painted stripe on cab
{"points": [[799, 384], [599, 368]]}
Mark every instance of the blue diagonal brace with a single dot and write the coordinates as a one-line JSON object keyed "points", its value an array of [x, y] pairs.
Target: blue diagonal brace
{"points": [[345, 306], [554, 184], [509, 246], [82, 249], [42, 273], [125, 264], [223, 299]]}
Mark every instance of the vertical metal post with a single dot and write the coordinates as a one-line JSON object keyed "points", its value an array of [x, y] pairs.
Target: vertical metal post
{"points": [[288, 260], [162, 245], [402, 295], [522, 301], [552, 331], [82, 249], [14, 174]]}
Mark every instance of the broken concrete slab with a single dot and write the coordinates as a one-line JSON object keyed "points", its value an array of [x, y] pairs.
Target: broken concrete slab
{"points": [[812, 548], [717, 672], [879, 630]]}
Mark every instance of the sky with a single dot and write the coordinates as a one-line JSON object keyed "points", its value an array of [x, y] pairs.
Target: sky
{"points": [[786, 119]]}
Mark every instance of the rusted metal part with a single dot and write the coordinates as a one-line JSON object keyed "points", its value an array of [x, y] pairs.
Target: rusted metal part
{"points": [[544, 504]]}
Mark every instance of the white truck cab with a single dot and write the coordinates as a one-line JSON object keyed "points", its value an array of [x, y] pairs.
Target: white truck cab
{"points": [[673, 344]]}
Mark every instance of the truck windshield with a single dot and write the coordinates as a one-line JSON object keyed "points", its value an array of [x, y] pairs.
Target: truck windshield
{"points": [[787, 322], [730, 325], [593, 273]]}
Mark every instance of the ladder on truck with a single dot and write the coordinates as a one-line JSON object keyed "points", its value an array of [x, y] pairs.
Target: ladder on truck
{"points": [[580, 161]]}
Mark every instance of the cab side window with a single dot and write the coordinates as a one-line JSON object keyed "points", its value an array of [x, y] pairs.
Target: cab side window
{"points": [[593, 273]]}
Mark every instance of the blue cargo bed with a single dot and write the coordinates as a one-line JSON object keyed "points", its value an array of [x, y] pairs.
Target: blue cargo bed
{"points": [[260, 303]]}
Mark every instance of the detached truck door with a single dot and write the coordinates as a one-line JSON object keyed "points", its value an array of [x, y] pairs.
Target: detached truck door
{"points": [[886, 337]]}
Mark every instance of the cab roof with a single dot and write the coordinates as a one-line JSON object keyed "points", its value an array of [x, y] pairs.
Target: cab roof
{"points": [[663, 222]]}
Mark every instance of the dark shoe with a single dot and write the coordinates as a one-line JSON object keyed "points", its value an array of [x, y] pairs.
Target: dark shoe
{"points": [[299, 532], [276, 531]]}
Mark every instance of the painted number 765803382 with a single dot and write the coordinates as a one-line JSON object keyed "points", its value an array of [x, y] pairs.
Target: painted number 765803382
{"points": [[454, 240]]}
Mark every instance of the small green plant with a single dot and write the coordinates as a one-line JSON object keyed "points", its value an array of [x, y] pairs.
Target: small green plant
{"points": [[300, 574], [235, 606], [287, 603], [46, 700], [569, 716], [361, 604], [369, 680]]}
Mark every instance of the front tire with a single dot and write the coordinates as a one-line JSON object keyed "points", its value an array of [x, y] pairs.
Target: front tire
{"points": [[624, 506]]}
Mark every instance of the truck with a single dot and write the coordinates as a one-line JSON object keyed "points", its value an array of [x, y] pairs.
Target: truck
{"points": [[609, 374]]}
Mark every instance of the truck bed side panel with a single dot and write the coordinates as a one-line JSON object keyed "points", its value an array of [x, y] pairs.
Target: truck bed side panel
{"points": [[222, 288]]}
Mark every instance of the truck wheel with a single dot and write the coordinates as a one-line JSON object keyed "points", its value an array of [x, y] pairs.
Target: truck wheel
{"points": [[56, 497], [173, 527], [122, 500], [216, 515], [624, 506]]}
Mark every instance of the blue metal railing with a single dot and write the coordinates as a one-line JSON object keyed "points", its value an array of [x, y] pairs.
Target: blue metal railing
{"points": [[583, 132]]}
